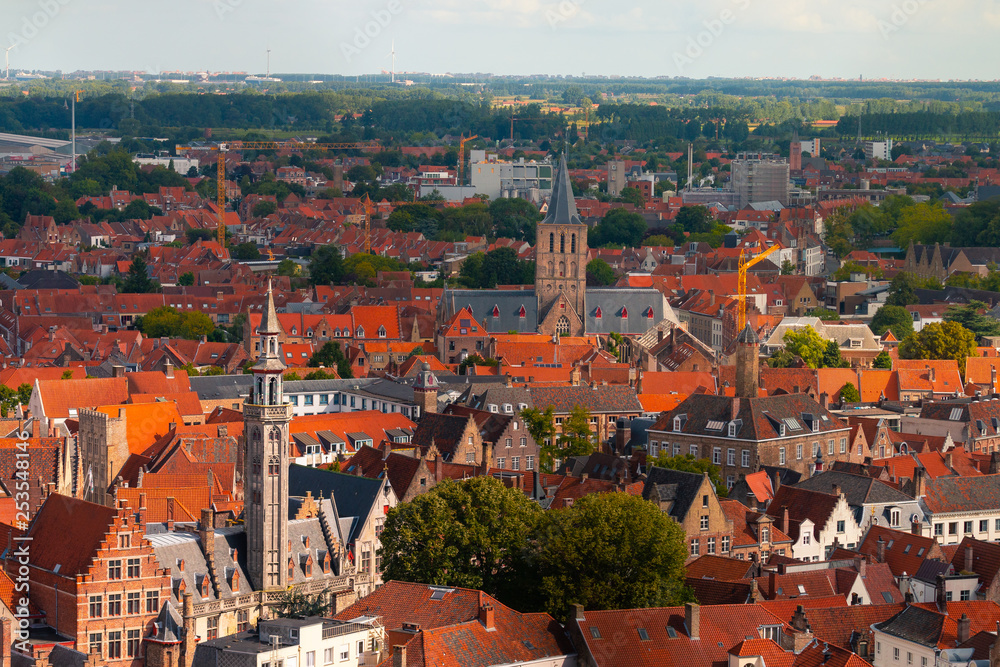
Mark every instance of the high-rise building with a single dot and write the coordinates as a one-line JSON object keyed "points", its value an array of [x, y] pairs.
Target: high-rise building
{"points": [[881, 150], [617, 177], [760, 177], [561, 266], [267, 418]]}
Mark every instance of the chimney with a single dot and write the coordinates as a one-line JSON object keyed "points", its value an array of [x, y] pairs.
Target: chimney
{"points": [[142, 510], [168, 370], [915, 528], [777, 481], [578, 612], [993, 378], [919, 482], [190, 637], [755, 595], [399, 656], [734, 406], [486, 616], [574, 376], [940, 595], [170, 513], [836, 490], [6, 638], [52, 333], [36, 428], [772, 582], [880, 550], [930, 373], [784, 520], [861, 565], [206, 532], [118, 371], [949, 460], [969, 566], [964, 626], [692, 619]]}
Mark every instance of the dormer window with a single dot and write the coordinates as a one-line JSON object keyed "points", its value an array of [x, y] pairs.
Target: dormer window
{"points": [[295, 331], [679, 421], [496, 311], [381, 332], [508, 409], [291, 569], [732, 429], [494, 408], [361, 332], [649, 313], [624, 313], [598, 314]]}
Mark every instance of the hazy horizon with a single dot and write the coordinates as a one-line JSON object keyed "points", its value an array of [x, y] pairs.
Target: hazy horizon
{"points": [[715, 38]]}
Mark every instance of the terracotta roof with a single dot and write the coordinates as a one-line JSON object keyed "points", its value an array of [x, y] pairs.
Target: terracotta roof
{"points": [[67, 532], [144, 422], [985, 560], [963, 494], [904, 551], [60, 396], [718, 567]]}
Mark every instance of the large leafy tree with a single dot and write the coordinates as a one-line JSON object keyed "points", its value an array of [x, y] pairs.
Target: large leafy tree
{"points": [[883, 361], [901, 291], [576, 438], [171, 323], [923, 223], [472, 533], [541, 424], [600, 272], [609, 551], [619, 228], [892, 318], [849, 394], [326, 266], [806, 344], [973, 317], [940, 340], [695, 219], [832, 357], [331, 356], [497, 267]]}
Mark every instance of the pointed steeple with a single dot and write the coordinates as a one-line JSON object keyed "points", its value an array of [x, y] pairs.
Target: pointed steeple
{"points": [[562, 205], [269, 323]]}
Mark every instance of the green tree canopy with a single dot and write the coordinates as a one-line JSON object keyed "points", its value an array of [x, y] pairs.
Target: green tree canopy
{"points": [[619, 228], [576, 438], [832, 357], [138, 281], [973, 317], [883, 361], [541, 424], [331, 356], [806, 344], [186, 279], [892, 318], [901, 291], [169, 322], [940, 340], [472, 533], [849, 394], [927, 223], [695, 219], [600, 272], [326, 266], [497, 267], [609, 551], [246, 252]]}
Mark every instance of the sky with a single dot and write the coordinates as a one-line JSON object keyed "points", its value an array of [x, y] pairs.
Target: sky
{"points": [[899, 39]]}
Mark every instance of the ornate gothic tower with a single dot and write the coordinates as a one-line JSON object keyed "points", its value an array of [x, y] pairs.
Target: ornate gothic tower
{"points": [[266, 418], [561, 268]]}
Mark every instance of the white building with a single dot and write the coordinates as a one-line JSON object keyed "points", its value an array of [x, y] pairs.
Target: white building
{"points": [[180, 164], [881, 150]]}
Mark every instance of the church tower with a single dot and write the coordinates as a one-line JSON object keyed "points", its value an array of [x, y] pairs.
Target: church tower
{"points": [[561, 262], [747, 363], [266, 418]]}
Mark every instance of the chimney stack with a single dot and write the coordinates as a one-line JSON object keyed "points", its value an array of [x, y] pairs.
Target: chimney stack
{"points": [[118, 371], [941, 595], [919, 482], [861, 565], [915, 528], [880, 550], [784, 520], [399, 656], [964, 628], [969, 566], [836, 490], [692, 618], [142, 510], [168, 370], [170, 513], [486, 616]]}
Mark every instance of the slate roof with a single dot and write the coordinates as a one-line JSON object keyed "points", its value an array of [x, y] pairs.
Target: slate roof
{"points": [[509, 303], [601, 398], [398, 468], [445, 431], [354, 496], [645, 308], [915, 624], [677, 487], [759, 418], [858, 489]]}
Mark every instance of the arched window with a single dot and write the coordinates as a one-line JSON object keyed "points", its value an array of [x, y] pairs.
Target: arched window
{"points": [[562, 243], [552, 242], [260, 391], [273, 392], [572, 269], [562, 269], [256, 435], [572, 244], [562, 326]]}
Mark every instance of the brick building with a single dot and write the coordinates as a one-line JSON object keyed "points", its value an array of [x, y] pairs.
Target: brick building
{"points": [[690, 500]]}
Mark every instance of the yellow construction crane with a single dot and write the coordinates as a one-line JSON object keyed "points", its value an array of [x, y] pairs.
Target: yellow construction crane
{"points": [[224, 148], [461, 157], [745, 263]]}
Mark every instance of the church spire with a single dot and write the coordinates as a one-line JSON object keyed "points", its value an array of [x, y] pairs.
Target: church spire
{"points": [[269, 323], [562, 204]]}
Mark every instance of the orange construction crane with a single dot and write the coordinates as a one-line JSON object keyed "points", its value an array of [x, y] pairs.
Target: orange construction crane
{"points": [[461, 157], [746, 261], [369, 209], [224, 148]]}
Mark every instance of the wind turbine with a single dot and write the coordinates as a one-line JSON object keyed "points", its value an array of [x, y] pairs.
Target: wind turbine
{"points": [[392, 54], [6, 57]]}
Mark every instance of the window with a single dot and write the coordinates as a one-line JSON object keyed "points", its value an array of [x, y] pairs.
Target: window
{"points": [[308, 400], [124, 541], [132, 603], [695, 544], [939, 529], [95, 606], [114, 645], [345, 653], [704, 522], [502, 463], [806, 537], [311, 659], [242, 620], [947, 596], [746, 458], [524, 441], [725, 544], [731, 457], [515, 463], [895, 654], [114, 569], [843, 445], [798, 452], [953, 528], [510, 442], [213, 627], [984, 526], [965, 595], [132, 646], [909, 658], [152, 602], [711, 545], [996, 524], [643, 635], [327, 656], [829, 447], [967, 527], [96, 643], [115, 604], [717, 455], [529, 463], [840, 526], [894, 517], [781, 456], [704, 500], [693, 450], [765, 535], [132, 570]]}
